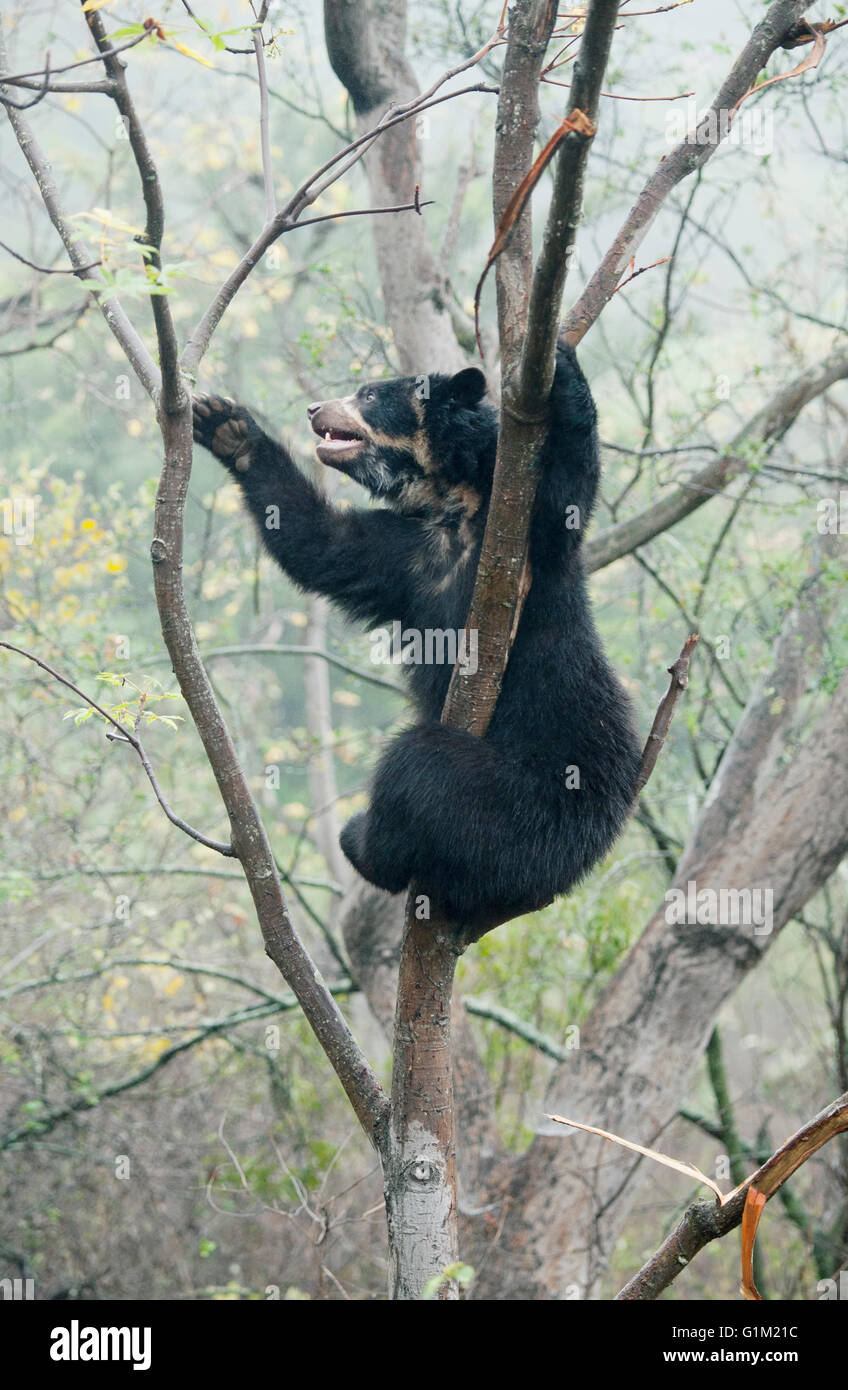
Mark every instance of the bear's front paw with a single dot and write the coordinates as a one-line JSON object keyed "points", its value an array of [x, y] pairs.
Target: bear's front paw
{"points": [[225, 429]]}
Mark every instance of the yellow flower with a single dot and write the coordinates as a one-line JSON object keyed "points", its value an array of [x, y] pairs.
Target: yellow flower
{"points": [[116, 564], [88, 524]]}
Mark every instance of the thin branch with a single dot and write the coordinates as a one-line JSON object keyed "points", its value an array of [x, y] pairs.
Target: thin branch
{"points": [[79, 254], [293, 649], [679, 673], [23, 79], [126, 736], [280, 1001], [528, 317], [193, 870], [415, 206], [49, 269], [264, 127], [43, 1124], [768, 425], [513, 1024], [288, 217], [173, 397]]}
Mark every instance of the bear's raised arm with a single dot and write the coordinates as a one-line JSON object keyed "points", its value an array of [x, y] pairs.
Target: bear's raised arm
{"points": [[569, 466], [360, 559]]}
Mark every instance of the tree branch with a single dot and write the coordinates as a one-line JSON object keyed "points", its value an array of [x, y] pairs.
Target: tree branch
{"points": [[421, 1195], [679, 673], [173, 396], [767, 426], [528, 315], [684, 159]]}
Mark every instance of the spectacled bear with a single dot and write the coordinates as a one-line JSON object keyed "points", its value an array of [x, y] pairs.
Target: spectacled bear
{"points": [[488, 827]]}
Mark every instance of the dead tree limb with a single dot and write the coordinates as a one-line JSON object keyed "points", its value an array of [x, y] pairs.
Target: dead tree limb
{"points": [[703, 1222]]}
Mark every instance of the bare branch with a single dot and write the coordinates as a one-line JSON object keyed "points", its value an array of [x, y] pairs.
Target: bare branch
{"points": [[679, 673], [264, 127], [78, 252], [49, 269], [289, 217], [29, 79], [684, 159], [528, 316], [513, 1024], [126, 736], [286, 649], [768, 425], [173, 397]]}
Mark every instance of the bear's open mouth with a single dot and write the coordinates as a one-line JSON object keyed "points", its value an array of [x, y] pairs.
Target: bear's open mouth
{"points": [[337, 445]]}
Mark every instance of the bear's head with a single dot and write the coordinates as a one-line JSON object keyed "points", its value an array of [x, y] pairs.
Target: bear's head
{"points": [[417, 443]]}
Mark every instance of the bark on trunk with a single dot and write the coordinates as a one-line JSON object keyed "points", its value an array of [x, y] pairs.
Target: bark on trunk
{"points": [[420, 1171], [366, 42]]}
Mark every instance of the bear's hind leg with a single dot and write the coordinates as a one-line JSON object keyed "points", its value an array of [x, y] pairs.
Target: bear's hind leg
{"points": [[389, 868]]}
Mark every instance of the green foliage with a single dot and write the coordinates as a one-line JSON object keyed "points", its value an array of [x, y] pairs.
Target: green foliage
{"points": [[462, 1274]]}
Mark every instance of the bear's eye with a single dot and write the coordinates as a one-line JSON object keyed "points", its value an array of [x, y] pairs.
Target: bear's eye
{"points": [[370, 396]]}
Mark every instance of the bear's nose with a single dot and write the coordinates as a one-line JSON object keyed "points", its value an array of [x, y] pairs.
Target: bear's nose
{"points": [[314, 408]]}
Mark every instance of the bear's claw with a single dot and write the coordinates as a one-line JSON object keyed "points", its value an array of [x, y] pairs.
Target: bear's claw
{"points": [[224, 428]]}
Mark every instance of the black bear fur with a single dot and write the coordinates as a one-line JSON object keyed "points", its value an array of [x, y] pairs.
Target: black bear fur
{"points": [[487, 828]]}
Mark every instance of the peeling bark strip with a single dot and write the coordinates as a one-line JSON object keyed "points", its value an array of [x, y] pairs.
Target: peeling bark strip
{"points": [[576, 122]]}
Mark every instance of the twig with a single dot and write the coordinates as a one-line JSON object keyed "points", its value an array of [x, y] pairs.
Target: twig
{"points": [[415, 206], [173, 397], [679, 673], [769, 424], [43, 1124], [78, 253], [49, 269], [288, 217], [126, 736], [634, 274], [513, 1024], [264, 129], [291, 649], [22, 79]]}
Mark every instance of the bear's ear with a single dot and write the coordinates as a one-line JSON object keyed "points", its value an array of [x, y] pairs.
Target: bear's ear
{"points": [[468, 387]]}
